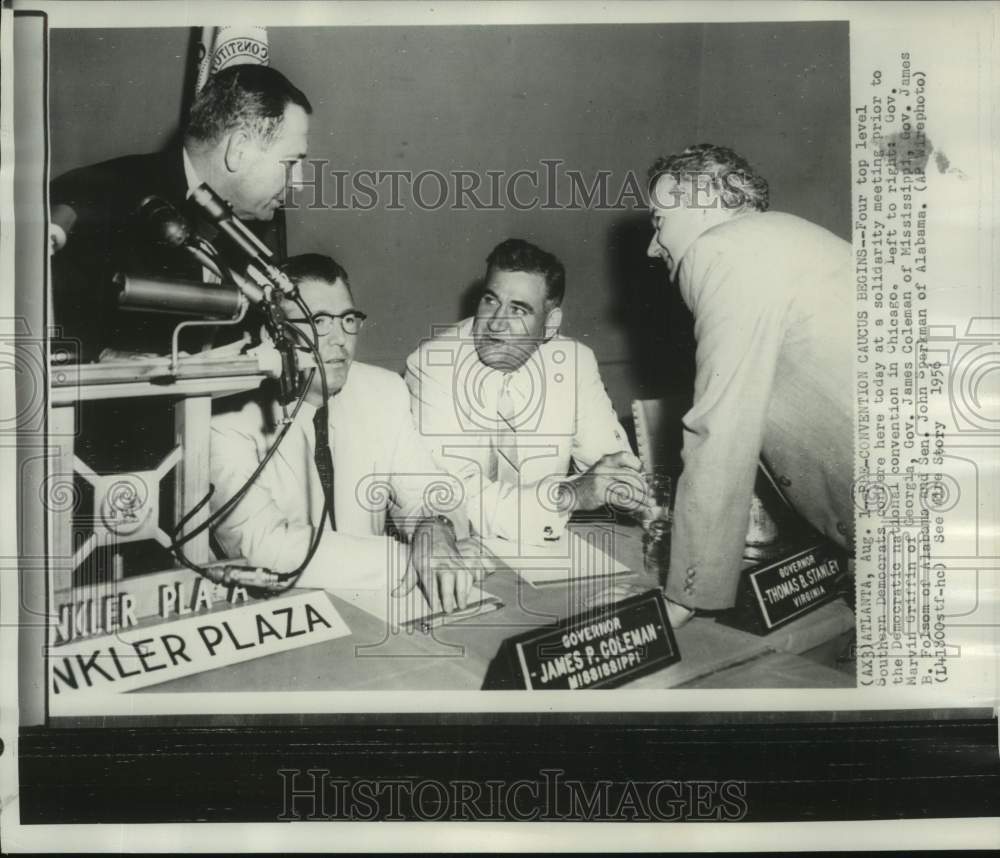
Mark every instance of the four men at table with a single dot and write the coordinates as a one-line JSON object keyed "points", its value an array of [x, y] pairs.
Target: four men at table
{"points": [[501, 401]]}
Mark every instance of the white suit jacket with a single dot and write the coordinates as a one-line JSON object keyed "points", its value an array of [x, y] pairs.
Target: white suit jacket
{"points": [[380, 466], [563, 416], [772, 297]]}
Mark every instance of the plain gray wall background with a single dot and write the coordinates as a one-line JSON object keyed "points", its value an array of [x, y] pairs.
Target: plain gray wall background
{"points": [[503, 98]]}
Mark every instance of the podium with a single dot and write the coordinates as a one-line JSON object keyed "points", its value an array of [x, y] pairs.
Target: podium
{"points": [[126, 507]]}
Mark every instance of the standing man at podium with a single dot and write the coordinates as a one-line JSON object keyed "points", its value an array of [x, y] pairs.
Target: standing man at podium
{"points": [[245, 134], [771, 296], [246, 131]]}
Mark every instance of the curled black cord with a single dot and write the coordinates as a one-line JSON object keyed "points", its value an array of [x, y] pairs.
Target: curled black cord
{"points": [[288, 579], [177, 541], [325, 390], [227, 507], [238, 495]]}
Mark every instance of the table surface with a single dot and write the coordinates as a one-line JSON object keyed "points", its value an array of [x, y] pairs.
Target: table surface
{"points": [[456, 656]]}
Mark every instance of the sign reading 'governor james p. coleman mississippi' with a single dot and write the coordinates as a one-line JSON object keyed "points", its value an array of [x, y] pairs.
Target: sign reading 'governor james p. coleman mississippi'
{"points": [[598, 649]]}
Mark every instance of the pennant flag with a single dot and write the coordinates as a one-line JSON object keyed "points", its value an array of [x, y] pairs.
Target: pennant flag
{"points": [[222, 47]]}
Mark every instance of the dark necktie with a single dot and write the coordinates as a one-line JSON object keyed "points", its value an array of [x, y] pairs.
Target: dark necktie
{"points": [[323, 458]]}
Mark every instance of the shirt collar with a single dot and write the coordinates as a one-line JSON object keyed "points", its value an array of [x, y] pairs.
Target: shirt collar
{"points": [[334, 404], [490, 381]]}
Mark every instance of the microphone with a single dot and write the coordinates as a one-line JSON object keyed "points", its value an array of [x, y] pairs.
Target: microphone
{"points": [[169, 227], [221, 214], [258, 261], [257, 254], [166, 225], [162, 295], [289, 379]]}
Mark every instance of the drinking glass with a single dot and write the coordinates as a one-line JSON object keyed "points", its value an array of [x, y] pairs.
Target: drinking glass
{"points": [[656, 523]]}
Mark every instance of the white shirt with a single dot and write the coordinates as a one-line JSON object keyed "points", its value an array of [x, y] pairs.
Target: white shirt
{"points": [[563, 416], [380, 467]]}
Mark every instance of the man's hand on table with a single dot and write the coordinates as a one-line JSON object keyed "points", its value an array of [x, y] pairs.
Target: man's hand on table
{"points": [[614, 480], [438, 565]]}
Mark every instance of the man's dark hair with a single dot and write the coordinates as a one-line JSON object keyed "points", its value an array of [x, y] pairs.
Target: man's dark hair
{"points": [[737, 183], [516, 254], [252, 97], [314, 266]]}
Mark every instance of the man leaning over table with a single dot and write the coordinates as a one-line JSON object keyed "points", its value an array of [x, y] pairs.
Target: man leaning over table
{"points": [[378, 465], [509, 406], [772, 298]]}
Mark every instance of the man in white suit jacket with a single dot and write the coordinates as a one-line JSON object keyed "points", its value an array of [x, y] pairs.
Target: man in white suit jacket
{"points": [[771, 296], [380, 467], [507, 406]]}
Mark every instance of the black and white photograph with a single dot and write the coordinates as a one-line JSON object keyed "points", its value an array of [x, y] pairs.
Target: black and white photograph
{"points": [[534, 410], [373, 366]]}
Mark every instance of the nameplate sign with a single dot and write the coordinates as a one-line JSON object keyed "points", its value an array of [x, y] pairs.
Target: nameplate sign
{"points": [[145, 655], [603, 648], [110, 606], [772, 595]]}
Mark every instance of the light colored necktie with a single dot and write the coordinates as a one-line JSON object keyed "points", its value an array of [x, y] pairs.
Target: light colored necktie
{"points": [[507, 461]]}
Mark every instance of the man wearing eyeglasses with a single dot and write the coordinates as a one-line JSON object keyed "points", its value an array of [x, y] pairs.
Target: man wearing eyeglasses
{"points": [[359, 450]]}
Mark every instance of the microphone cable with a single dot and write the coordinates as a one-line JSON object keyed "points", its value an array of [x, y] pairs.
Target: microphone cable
{"points": [[287, 579]]}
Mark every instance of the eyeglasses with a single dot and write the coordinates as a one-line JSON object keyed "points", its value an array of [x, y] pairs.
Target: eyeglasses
{"points": [[351, 322]]}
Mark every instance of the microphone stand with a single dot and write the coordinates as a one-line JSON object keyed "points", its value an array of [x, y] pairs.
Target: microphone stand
{"points": [[274, 284], [275, 322], [192, 323], [264, 285]]}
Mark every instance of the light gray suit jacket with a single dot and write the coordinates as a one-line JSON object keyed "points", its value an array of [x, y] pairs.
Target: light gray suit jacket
{"points": [[772, 298], [564, 417]]}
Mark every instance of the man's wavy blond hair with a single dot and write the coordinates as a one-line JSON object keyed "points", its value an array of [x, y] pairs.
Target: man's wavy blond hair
{"points": [[739, 186]]}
